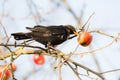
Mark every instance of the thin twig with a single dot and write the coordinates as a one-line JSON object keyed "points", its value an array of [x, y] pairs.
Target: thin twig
{"points": [[102, 33], [109, 71], [87, 21], [76, 73], [13, 77], [96, 60], [59, 69], [69, 9], [4, 30], [19, 45]]}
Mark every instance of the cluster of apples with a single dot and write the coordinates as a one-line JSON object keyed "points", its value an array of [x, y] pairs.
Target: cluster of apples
{"points": [[6, 71]]}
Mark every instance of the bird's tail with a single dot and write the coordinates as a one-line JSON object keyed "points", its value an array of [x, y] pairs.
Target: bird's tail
{"points": [[21, 36]]}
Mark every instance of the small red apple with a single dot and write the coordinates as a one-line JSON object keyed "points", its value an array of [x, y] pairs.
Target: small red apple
{"points": [[84, 38], [0, 74], [38, 59], [5, 71], [13, 67]]}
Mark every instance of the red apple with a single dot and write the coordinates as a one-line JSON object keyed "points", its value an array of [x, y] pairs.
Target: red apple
{"points": [[13, 67], [84, 38], [7, 73], [38, 59]]}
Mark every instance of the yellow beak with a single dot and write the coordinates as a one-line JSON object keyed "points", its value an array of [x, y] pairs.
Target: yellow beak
{"points": [[76, 33]]}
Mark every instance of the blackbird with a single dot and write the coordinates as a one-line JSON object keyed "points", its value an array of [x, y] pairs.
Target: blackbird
{"points": [[52, 35]]}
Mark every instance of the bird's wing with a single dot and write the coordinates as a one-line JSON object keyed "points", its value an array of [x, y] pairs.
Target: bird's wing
{"points": [[38, 28], [56, 30], [48, 30]]}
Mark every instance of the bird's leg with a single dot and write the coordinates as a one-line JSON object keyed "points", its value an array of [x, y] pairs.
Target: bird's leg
{"points": [[48, 47]]}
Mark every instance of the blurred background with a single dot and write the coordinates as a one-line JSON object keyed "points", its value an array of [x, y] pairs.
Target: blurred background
{"points": [[15, 15]]}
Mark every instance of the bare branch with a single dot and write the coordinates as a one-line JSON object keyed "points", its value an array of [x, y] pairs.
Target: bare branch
{"points": [[84, 67]]}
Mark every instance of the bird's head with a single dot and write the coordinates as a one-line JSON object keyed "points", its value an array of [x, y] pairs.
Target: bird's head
{"points": [[70, 29]]}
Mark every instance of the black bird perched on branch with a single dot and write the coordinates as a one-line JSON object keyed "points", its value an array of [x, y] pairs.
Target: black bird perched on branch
{"points": [[52, 35]]}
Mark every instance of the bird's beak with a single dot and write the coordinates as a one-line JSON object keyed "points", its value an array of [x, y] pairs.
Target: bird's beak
{"points": [[76, 33]]}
